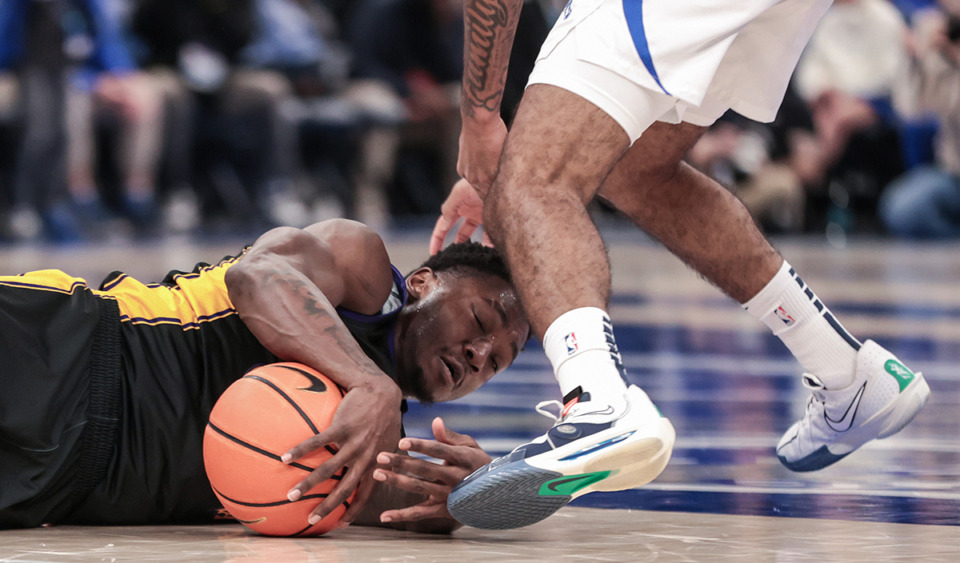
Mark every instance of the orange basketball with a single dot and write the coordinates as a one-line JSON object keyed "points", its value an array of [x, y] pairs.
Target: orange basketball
{"points": [[257, 419]]}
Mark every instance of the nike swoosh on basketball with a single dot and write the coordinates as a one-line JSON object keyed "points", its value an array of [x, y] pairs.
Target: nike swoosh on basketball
{"points": [[849, 415]]}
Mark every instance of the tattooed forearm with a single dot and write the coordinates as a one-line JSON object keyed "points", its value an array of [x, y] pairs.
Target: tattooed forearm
{"points": [[322, 316], [349, 346], [490, 26]]}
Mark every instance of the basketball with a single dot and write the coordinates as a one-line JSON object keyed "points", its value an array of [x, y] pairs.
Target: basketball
{"points": [[257, 419]]}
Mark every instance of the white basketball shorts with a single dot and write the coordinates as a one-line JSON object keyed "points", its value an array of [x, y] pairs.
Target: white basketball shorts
{"points": [[677, 60]]}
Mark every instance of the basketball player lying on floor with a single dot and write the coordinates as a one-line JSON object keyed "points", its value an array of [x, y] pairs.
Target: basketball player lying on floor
{"points": [[105, 393]]}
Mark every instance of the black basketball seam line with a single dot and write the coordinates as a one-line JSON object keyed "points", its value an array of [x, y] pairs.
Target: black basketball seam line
{"points": [[272, 385], [260, 451], [305, 530], [287, 398], [268, 504], [270, 455]]}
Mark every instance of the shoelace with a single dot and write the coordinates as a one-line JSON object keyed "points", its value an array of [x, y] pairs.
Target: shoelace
{"points": [[814, 384], [541, 408]]}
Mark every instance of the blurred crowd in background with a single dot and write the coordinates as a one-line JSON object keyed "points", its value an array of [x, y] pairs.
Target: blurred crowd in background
{"points": [[141, 118]]}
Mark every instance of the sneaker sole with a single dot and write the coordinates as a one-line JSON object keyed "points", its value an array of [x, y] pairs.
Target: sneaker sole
{"points": [[525, 492], [887, 422]]}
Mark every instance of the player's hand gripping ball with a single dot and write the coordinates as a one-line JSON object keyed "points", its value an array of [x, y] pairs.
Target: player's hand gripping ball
{"points": [[259, 417]]}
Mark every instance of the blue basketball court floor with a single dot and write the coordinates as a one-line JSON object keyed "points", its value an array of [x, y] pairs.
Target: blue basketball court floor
{"points": [[730, 388]]}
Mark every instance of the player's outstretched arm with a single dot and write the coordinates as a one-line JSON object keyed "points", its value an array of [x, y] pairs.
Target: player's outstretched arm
{"points": [[489, 26], [286, 289], [414, 492]]}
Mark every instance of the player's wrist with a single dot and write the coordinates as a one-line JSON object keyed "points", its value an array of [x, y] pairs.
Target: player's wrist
{"points": [[383, 387], [478, 118]]}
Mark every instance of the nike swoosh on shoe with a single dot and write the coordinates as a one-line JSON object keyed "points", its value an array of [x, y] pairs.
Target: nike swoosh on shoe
{"points": [[849, 415]]}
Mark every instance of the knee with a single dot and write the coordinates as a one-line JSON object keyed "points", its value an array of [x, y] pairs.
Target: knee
{"points": [[513, 202]]}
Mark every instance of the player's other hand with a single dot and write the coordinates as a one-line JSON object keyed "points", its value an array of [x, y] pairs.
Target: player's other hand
{"points": [[367, 421], [463, 201], [459, 455]]}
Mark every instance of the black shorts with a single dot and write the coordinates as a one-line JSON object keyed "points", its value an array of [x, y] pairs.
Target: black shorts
{"points": [[59, 394]]}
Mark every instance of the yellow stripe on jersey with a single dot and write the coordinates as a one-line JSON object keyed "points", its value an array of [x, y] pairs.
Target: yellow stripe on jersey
{"points": [[45, 280], [196, 298]]}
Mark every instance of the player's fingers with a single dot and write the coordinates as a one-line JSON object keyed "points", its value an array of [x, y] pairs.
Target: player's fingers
{"points": [[447, 436], [324, 471], [363, 494], [440, 232], [487, 241], [421, 468], [420, 511], [453, 455], [450, 208], [336, 497], [411, 484], [330, 437], [466, 230], [431, 448]]}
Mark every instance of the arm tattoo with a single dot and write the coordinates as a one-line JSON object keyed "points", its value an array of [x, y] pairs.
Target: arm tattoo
{"points": [[350, 347], [317, 308], [490, 27]]}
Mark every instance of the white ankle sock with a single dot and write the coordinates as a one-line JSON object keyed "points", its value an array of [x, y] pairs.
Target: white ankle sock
{"points": [[581, 347], [796, 315]]}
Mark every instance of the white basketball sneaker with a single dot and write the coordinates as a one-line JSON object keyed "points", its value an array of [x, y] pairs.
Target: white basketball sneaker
{"points": [[883, 398], [591, 447]]}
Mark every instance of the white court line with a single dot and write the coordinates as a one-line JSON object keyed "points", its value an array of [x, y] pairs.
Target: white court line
{"points": [[823, 491], [769, 441]]}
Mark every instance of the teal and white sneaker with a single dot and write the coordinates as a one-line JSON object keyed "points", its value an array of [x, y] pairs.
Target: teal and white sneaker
{"points": [[883, 398], [591, 447]]}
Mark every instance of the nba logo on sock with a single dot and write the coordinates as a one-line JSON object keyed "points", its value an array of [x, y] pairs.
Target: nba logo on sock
{"points": [[571, 341], [783, 316]]}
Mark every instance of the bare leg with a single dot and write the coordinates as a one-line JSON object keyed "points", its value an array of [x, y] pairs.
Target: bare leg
{"points": [[141, 137], [556, 155], [81, 145], [692, 215], [610, 435]]}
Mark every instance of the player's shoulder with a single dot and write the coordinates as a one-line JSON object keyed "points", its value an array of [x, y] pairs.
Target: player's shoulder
{"points": [[351, 239], [361, 259]]}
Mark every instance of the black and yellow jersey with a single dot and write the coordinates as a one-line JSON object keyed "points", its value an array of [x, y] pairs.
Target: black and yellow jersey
{"points": [[181, 344]]}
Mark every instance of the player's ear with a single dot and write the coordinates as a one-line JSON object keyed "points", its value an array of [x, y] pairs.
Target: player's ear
{"points": [[421, 283]]}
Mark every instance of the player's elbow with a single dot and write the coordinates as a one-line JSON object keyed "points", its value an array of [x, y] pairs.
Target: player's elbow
{"points": [[273, 253], [241, 278]]}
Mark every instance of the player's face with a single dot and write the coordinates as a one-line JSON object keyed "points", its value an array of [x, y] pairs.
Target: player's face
{"points": [[461, 331]]}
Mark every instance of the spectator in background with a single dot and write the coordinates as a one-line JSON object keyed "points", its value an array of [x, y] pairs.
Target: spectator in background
{"points": [[415, 47], [8, 140], [925, 202], [125, 101], [31, 46], [300, 40], [770, 167], [835, 142], [243, 142], [846, 76], [65, 53]]}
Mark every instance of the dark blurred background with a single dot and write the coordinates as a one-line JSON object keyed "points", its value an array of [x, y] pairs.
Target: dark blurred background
{"points": [[142, 119]]}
